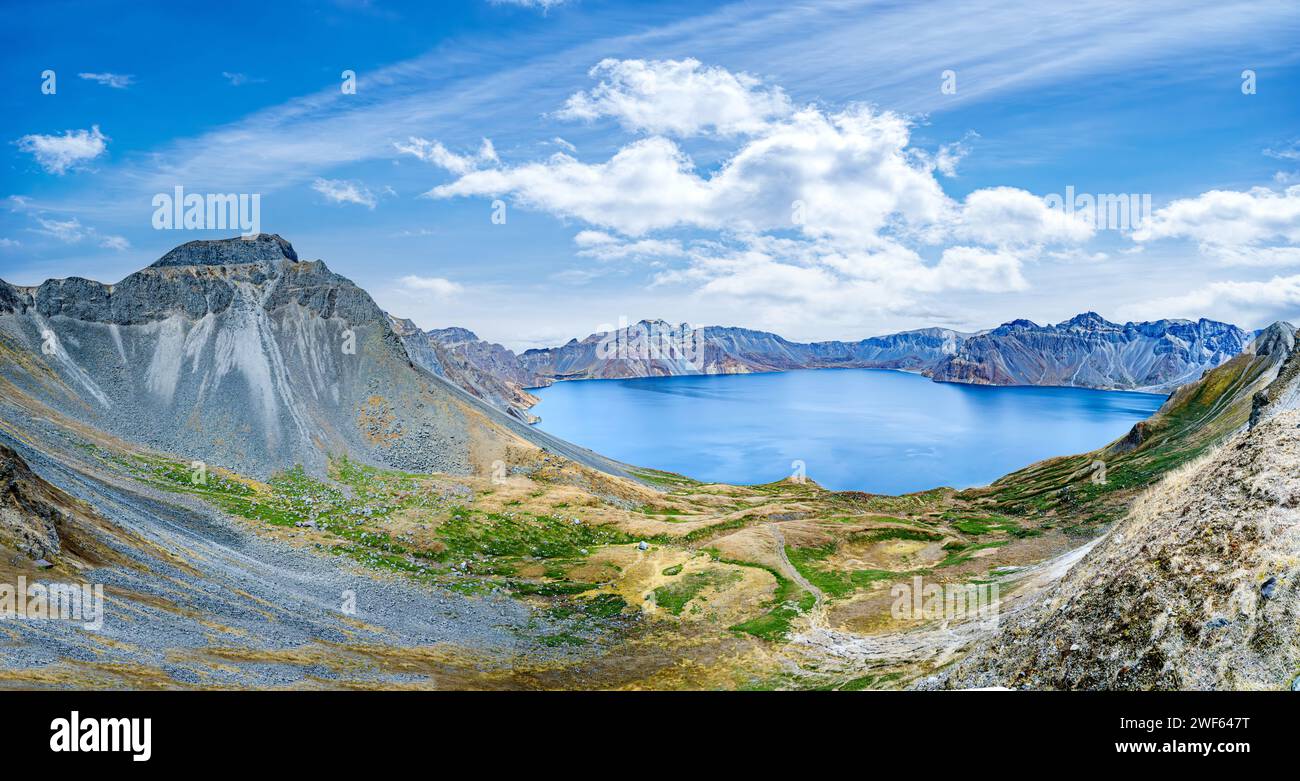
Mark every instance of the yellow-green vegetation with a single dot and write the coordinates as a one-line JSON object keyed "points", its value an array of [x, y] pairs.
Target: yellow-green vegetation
{"points": [[788, 603], [674, 596]]}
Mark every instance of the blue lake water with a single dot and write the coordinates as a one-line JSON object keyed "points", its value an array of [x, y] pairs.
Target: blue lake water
{"points": [[854, 429]]}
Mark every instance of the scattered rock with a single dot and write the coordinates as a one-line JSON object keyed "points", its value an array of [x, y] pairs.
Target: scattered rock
{"points": [[643, 545], [44, 564], [1268, 589]]}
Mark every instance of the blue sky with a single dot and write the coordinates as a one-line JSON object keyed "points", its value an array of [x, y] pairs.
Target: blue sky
{"points": [[650, 155]]}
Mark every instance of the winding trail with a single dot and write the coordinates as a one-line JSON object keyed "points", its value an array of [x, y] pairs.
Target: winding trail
{"points": [[817, 617]]}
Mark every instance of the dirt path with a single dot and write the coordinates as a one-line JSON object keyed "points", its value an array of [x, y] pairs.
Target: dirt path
{"points": [[817, 617]]}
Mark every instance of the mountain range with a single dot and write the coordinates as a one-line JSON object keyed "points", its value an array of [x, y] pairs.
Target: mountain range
{"points": [[1084, 351]]}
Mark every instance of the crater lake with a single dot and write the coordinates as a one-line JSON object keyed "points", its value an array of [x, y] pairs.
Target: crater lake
{"points": [[848, 429]]}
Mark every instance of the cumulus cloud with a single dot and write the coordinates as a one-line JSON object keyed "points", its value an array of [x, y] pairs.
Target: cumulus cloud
{"points": [[58, 154], [844, 175], [1259, 226], [677, 97], [814, 210], [114, 80], [1254, 303], [344, 191], [973, 268], [1006, 216], [438, 287]]}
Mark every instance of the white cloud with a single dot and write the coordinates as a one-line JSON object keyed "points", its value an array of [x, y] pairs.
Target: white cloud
{"points": [[677, 97], [9, 243], [437, 286], [814, 212], [71, 231], [114, 80], [435, 153], [973, 268], [949, 155], [1289, 152], [847, 177], [343, 191], [842, 175], [1260, 226], [543, 5], [1254, 303], [68, 231], [603, 246], [240, 79], [57, 154], [794, 280], [1006, 216]]}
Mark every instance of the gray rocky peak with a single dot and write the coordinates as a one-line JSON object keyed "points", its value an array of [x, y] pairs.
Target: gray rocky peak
{"points": [[262, 248]]}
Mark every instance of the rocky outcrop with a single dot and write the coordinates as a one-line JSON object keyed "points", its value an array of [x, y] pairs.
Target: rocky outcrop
{"points": [[31, 510], [1198, 586]]}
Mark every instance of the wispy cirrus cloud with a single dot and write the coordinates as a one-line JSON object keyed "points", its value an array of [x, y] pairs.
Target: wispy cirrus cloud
{"points": [[71, 231], [114, 80], [542, 5], [435, 153], [1013, 45], [343, 191], [240, 79]]}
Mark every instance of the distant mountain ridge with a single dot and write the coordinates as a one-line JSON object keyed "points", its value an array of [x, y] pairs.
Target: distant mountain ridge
{"points": [[485, 370], [1089, 351], [1084, 351]]}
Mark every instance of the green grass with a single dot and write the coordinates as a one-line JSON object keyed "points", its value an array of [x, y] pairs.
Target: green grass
{"points": [[469, 532], [673, 597]]}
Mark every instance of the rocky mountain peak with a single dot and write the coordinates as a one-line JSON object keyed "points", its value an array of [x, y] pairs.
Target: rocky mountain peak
{"points": [[1089, 321], [264, 248], [1278, 338], [453, 334]]}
